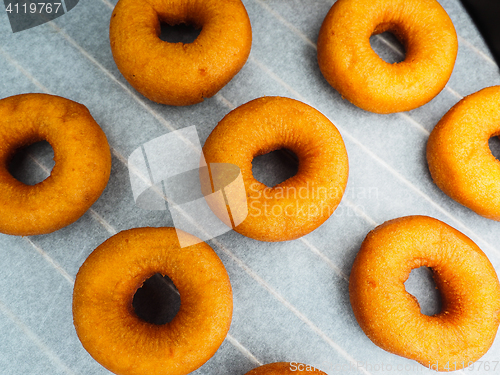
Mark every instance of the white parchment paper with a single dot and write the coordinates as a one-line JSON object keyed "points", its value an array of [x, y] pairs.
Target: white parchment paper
{"points": [[291, 300]]}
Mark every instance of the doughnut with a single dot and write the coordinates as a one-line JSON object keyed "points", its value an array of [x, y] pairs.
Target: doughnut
{"points": [[350, 65], [82, 163], [463, 330], [285, 368], [459, 158], [302, 203], [111, 331], [177, 73]]}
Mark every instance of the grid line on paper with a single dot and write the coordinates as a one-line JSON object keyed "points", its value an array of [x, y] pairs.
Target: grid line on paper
{"points": [[150, 174], [415, 123], [112, 77], [243, 350], [357, 210], [290, 307], [51, 261], [289, 25], [477, 50], [108, 4], [327, 260], [109, 228], [35, 339], [224, 101], [23, 71]]}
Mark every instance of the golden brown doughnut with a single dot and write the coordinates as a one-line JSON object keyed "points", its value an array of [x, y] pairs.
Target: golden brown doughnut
{"points": [[82, 163], [302, 203], [285, 368], [350, 65], [117, 338], [177, 73], [459, 158], [465, 328]]}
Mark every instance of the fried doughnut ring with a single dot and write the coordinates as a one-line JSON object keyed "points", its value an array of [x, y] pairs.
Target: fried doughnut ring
{"points": [[302, 203], [177, 73], [465, 328], [350, 65], [459, 158], [285, 368], [82, 163], [106, 322]]}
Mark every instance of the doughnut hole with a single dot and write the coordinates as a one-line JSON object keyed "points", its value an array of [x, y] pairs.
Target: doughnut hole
{"points": [[275, 167], [494, 144], [421, 285], [388, 47], [181, 33], [157, 301], [32, 164]]}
